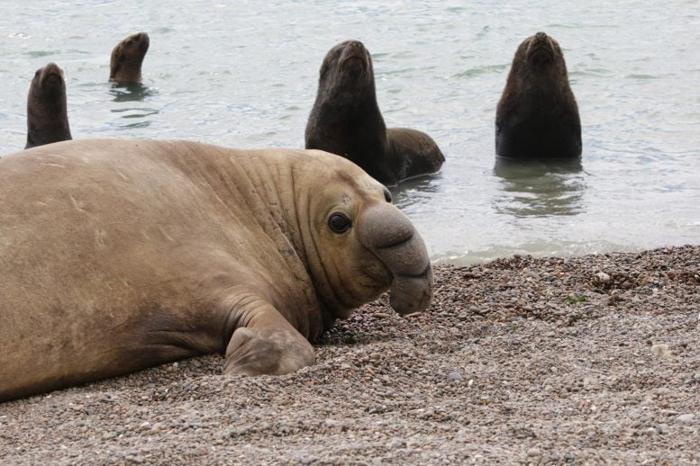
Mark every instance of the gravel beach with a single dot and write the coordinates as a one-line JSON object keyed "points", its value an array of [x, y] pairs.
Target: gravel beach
{"points": [[558, 360]]}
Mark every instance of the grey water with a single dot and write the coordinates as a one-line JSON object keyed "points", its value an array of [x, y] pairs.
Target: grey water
{"points": [[243, 74]]}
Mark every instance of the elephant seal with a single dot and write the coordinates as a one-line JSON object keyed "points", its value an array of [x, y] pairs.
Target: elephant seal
{"points": [[117, 255], [537, 117], [346, 120], [127, 58], [47, 114]]}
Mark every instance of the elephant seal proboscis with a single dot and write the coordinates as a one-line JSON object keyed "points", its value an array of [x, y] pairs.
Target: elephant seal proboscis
{"points": [[537, 117], [346, 120], [127, 58], [47, 113], [117, 255]]}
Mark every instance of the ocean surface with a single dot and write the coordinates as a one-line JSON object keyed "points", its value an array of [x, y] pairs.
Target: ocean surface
{"points": [[244, 74]]}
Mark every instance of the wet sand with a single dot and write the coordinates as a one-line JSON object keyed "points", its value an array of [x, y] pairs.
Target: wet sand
{"points": [[521, 360]]}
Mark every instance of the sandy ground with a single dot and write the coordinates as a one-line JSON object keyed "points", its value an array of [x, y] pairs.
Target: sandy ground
{"points": [[582, 360]]}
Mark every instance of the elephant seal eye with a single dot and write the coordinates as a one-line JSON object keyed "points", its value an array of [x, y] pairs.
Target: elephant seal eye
{"points": [[387, 195], [339, 223]]}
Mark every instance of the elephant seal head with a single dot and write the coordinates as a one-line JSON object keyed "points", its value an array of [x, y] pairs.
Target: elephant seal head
{"points": [[127, 58], [357, 243]]}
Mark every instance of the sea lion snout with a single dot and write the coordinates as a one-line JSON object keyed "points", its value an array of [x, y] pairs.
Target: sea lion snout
{"points": [[51, 75], [541, 49], [139, 40], [391, 236], [354, 55], [142, 40]]}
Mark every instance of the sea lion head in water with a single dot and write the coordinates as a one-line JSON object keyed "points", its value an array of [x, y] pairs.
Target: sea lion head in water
{"points": [[346, 120], [537, 116], [47, 114], [127, 58], [539, 62], [346, 78]]}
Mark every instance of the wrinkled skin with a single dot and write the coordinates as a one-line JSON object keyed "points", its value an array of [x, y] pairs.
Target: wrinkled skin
{"points": [[127, 58], [537, 117], [47, 113], [118, 255], [346, 120]]}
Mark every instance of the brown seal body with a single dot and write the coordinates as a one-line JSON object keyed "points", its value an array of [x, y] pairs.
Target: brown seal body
{"points": [[346, 120], [127, 58], [116, 255], [537, 117], [47, 113]]}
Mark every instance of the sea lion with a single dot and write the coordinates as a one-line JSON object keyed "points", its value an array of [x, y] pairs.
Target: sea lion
{"points": [[537, 117], [127, 58], [346, 120], [47, 114], [117, 255]]}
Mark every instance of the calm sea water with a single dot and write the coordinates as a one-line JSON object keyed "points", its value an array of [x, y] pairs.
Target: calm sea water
{"points": [[243, 74]]}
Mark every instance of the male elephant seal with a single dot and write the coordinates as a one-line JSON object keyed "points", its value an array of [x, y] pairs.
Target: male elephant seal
{"points": [[117, 255], [346, 120], [47, 114], [537, 117], [127, 58]]}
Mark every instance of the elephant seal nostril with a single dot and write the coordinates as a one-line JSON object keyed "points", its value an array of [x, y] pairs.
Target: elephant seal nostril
{"points": [[387, 195]]}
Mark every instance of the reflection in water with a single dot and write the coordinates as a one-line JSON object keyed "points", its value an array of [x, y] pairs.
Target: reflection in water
{"points": [[538, 189], [130, 92], [134, 92], [416, 190]]}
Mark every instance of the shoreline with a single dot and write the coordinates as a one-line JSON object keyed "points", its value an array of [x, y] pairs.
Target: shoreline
{"points": [[535, 360]]}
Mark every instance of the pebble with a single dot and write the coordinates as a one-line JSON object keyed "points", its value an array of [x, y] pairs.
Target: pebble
{"points": [[686, 418], [661, 350]]}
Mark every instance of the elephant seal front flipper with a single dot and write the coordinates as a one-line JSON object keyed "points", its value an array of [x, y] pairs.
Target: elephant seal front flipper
{"points": [[268, 344], [47, 113]]}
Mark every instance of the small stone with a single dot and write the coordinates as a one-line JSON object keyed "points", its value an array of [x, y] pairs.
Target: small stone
{"points": [[602, 277], [533, 452], [686, 418], [396, 443], [661, 350], [591, 383], [455, 375]]}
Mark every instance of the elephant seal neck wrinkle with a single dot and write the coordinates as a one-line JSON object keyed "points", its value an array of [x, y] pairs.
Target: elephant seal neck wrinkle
{"points": [[293, 204]]}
